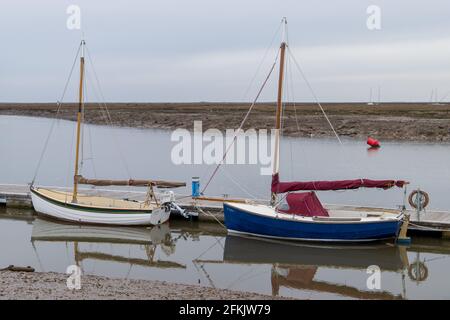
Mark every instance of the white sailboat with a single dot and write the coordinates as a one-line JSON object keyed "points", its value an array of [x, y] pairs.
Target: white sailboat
{"points": [[83, 208]]}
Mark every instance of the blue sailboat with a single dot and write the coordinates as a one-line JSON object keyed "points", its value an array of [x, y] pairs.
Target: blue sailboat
{"points": [[302, 216], [268, 221]]}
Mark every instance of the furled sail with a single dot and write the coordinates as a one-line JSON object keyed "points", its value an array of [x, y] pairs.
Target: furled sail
{"points": [[131, 182], [283, 187]]}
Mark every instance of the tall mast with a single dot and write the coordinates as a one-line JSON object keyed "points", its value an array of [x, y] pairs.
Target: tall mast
{"points": [[79, 118], [276, 160]]}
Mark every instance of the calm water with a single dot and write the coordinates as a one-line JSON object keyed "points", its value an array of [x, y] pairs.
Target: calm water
{"points": [[190, 253], [147, 154]]}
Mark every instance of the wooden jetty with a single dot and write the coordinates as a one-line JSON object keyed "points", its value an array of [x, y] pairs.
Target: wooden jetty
{"points": [[16, 196], [429, 221]]}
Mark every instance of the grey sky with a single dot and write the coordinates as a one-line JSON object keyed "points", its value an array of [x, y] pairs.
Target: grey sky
{"points": [[209, 50]]}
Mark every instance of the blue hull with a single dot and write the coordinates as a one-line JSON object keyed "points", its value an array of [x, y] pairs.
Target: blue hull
{"points": [[238, 220]]}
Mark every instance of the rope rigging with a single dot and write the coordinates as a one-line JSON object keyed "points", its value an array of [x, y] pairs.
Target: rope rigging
{"points": [[103, 109], [287, 91], [313, 93], [58, 104], [262, 60], [291, 82], [242, 123], [244, 96]]}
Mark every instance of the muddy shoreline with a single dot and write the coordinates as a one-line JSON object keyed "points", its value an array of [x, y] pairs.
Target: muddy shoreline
{"points": [[50, 286], [387, 121]]}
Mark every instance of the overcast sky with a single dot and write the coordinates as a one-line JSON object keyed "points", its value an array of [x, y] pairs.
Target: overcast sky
{"points": [[209, 50]]}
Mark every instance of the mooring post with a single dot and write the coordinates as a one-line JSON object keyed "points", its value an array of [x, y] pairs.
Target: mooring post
{"points": [[418, 204], [402, 238]]}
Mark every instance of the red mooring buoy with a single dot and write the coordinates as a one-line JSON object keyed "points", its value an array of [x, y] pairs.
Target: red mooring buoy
{"points": [[374, 143]]}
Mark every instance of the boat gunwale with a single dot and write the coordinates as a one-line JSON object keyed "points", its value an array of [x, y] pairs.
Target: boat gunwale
{"points": [[304, 219]]}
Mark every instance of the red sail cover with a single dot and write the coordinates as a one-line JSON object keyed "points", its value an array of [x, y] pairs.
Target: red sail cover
{"points": [[305, 204], [282, 187]]}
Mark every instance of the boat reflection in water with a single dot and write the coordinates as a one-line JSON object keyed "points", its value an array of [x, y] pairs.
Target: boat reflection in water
{"points": [[294, 265], [283, 268], [150, 238]]}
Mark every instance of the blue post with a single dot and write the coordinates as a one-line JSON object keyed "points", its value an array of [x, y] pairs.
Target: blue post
{"points": [[195, 187]]}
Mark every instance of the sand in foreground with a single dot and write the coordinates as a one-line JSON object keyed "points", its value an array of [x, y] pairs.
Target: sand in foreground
{"points": [[50, 285]]}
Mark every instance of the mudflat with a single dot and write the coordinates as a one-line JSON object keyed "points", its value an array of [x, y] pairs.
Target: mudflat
{"points": [[386, 121], [50, 285]]}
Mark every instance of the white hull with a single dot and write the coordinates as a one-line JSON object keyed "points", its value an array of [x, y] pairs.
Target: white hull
{"points": [[47, 230], [66, 213]]}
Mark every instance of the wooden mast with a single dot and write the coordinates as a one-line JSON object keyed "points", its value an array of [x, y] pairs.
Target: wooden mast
{"points": [[276, 159], [79, 118]]}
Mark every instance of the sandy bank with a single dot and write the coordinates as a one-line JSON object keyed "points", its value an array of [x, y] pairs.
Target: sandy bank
{"points": [[388, 121], [49, 285]]}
